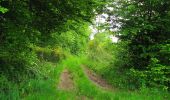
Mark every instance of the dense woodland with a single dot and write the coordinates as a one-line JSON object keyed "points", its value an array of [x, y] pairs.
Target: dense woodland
{"points": [[41, 38]]}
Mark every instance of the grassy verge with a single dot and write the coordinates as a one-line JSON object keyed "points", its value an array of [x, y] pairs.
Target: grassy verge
{"points": [[46, 89]]}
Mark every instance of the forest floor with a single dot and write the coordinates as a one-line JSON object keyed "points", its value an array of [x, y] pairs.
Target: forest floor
{"points": [[72, 80]]}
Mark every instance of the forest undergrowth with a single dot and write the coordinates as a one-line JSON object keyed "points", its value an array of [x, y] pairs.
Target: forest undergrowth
{"points": [[45, 42]]}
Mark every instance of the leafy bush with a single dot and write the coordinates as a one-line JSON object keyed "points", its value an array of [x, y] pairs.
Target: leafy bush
{"points": [[156, 76]]}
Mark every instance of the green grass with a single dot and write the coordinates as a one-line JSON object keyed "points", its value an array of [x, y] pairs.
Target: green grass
{"points": [[84, 88]]}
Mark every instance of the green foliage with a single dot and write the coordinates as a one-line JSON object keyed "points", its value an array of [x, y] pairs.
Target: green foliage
{"points": [[99, 51], [43, 24], [3, 10], [37, 34], [8, 90], [73, 38], [110, 60], [145, 26], [49, 54], [34, 31], [156, 76]]}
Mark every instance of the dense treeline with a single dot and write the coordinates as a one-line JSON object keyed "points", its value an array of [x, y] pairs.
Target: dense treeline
{"points": [[147, 28], [145, 34]]}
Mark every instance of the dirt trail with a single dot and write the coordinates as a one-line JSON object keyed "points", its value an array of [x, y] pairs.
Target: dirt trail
{"points": [[66, 81], [98, 80]]}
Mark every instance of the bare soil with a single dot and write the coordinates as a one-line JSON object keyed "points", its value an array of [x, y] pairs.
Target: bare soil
{"points": [[98, 80], [66, 81]]}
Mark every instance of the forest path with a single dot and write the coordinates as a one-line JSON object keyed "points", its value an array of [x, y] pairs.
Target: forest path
{"points": [[66, 81]]}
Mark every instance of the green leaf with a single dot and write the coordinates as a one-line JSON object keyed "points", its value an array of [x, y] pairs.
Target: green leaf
{"points": [[3, 10]]}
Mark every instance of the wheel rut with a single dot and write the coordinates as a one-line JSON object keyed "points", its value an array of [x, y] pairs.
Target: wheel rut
{"points": [[66, 81], [96, 79]]}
